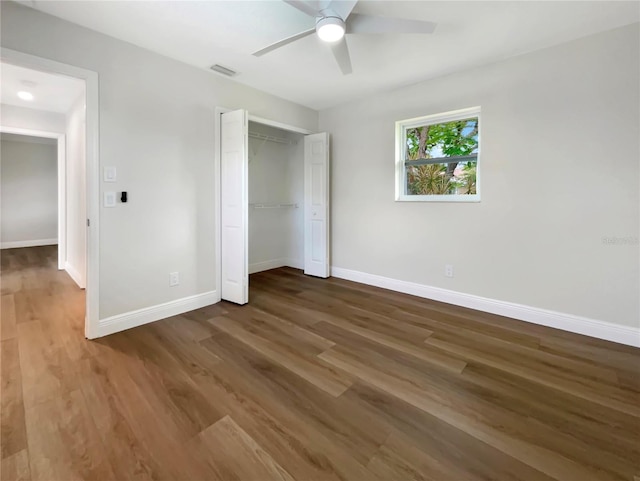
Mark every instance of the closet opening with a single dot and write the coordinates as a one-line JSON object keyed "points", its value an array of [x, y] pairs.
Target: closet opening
{"points": [[274, 201], [276, 198]]}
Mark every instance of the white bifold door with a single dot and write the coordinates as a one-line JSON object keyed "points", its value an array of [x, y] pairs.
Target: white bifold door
{"points": [[234, 187], [316, 205], [234, 206]]}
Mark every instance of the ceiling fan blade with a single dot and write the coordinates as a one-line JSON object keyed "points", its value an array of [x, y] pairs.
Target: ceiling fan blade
{"points": [[306, 7], [342, 7], [341, 53], [369, 24], [284, 42]]}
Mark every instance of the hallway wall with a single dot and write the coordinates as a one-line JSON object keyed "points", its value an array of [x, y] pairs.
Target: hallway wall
{"points": [[29, 186], [76, 194]]}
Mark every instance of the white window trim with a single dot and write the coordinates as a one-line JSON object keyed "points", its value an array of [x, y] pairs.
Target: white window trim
{"points": [[401, 127]]}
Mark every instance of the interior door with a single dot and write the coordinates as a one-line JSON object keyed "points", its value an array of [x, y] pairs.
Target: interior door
{"points": [[234, 188], [316, 205]]}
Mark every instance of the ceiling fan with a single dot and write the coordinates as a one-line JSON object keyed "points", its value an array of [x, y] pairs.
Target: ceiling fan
{"points": [[334, 19]]}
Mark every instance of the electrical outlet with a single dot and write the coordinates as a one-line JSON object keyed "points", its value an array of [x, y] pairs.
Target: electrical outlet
{"points": [[448, 270], [174, 279]]}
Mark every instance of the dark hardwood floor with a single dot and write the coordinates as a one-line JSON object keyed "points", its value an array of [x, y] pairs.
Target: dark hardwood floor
{"points": [[313, 380]]}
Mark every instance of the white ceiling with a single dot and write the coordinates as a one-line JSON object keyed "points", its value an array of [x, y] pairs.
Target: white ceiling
{"points": [[53, 93], [202, 33]]}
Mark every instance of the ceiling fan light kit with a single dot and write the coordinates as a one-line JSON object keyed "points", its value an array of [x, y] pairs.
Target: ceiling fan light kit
{"points": [[333, 21], [330, 29]]}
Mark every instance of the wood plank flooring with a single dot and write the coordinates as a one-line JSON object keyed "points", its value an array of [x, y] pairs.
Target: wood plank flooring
{"points": [[313, 380]]}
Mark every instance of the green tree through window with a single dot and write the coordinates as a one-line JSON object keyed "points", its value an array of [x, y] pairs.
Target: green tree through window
{"points": [[443, 143]]}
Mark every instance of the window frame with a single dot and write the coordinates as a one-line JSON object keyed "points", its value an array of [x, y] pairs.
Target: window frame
{"points": [[401, 145]]}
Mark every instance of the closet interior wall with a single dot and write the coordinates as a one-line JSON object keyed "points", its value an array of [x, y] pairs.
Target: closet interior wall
{"points": [[276, 195]]}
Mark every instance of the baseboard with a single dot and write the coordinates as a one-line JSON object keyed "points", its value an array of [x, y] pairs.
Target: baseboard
{"points": [[274, 264], [567, 322], [131, 319], [294, 263], [75, 275], [28, 243], [266, 265]]}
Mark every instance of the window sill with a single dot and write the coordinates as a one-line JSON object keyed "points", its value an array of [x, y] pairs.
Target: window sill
{"points": [[438, 198]]}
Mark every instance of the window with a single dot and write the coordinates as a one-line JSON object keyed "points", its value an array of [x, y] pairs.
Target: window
{"points": [[437, 157]]}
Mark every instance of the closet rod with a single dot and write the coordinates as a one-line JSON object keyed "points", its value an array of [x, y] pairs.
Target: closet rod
{"points": [[270, 138], [273, 206]]}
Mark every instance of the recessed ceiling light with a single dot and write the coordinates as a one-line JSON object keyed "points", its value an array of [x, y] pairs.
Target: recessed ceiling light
{"points": [[24, 95], [330, 29]]}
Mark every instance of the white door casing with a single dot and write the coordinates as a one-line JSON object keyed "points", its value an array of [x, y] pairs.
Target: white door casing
{"points": [[234, 187], [316, 205]]}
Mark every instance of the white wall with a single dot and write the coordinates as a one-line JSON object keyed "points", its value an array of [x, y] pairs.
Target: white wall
{"points": [[76, 255], [157, 129], [275, 176], [559, 166], [32, 119], [29, 186]]}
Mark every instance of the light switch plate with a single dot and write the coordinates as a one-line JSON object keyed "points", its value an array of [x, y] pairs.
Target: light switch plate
{"points": [[109, 199], [109, 174]]}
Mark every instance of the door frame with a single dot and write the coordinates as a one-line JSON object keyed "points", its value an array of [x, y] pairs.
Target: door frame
{"points": [[217, 181], [92, 146], [62, 183]]}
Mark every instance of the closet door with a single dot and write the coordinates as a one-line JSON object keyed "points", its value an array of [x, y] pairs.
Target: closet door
{"points": [[316, 205], [234, 187]]}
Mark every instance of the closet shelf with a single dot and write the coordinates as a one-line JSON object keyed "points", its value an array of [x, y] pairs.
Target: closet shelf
{"points": [[272, 206], [270, 138]]}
